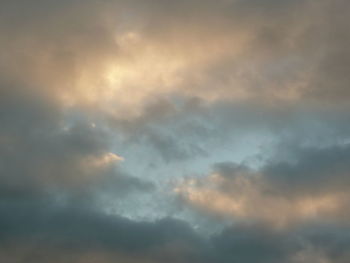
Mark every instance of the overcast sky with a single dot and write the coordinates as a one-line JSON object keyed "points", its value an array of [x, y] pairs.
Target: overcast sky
{"points": [[180, 131]]}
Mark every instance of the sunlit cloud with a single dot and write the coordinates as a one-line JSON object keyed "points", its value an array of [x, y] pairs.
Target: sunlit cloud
{"points": [[250, 199]]}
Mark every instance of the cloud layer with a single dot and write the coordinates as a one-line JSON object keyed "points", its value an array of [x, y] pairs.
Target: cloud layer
{"points": [[177, 131]]}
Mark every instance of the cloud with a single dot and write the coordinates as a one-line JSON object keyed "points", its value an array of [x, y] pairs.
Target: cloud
{"points": [[227, 50], [312, 187], [74, 234], [105, 105], [42, 229], [47, 151]]}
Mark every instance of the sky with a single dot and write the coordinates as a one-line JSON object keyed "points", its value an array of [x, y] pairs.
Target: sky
{"points": [[188, 131]]}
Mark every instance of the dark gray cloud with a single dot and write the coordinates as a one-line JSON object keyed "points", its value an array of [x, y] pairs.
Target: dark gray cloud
{"points": [[78, 230], [312, 169], [48, 230], [44, 149]]}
